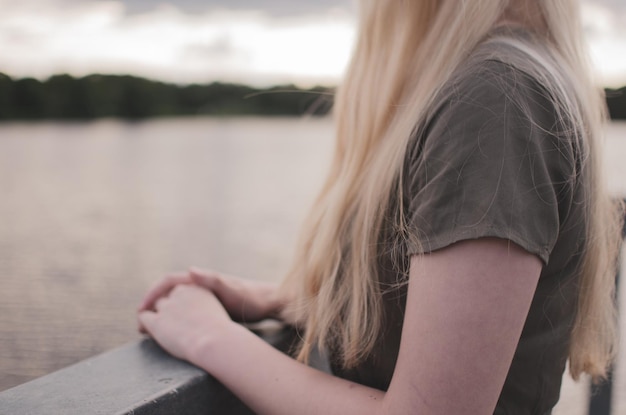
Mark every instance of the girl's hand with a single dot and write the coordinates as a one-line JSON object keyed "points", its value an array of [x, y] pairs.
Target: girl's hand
{"points": [[186, 321], [160, 290], [245, 300]]}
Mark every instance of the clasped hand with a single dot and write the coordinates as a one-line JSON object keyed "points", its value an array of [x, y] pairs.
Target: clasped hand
{"points": [[186, 312]]}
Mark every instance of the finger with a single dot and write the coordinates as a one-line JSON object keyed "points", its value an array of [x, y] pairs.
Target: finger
{"points": [[160, 303], [147, 320], [162, 288], [206, 279], [140, 327], [185, 293]]}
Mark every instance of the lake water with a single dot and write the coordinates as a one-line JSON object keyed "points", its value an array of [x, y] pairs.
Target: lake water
{"points": [[92, 214]]}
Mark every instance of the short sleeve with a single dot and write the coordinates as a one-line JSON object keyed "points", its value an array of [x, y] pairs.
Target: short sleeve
{"points": [[489, 163]]}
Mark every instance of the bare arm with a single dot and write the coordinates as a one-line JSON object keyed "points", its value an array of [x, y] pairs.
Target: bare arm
{"points": [[466, 307]]}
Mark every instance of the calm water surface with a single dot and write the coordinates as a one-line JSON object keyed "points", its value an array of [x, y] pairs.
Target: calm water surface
{"points": [[92, 214]]}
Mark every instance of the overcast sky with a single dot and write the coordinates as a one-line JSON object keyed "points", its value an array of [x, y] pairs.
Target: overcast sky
{"points": [[250, 41]]}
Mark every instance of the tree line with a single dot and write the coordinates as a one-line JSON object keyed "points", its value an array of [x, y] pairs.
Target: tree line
{"points": [[122, 96]]}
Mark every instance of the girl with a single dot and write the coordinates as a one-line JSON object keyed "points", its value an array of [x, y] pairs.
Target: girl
{"points": [[462, 248]]}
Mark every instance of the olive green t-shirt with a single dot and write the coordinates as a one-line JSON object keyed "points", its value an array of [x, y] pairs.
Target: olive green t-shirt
{"points": [[495, 159]]}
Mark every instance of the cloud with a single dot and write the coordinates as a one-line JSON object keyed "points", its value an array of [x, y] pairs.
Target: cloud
{"points": [[253, 41], [168, 44], [605, 29], [612, 4], [217, 48], [281, 8]]}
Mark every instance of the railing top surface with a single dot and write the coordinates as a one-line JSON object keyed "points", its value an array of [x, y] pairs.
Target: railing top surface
{"points": [[138, 378]]}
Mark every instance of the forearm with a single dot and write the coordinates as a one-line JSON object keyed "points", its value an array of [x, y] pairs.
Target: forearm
{"points": [[271, 382]]}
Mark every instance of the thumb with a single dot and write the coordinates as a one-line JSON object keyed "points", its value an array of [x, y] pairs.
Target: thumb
{"points": [[206, 279]]}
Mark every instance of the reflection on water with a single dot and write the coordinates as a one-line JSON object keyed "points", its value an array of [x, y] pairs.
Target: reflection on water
{"points": [[91, 214]]}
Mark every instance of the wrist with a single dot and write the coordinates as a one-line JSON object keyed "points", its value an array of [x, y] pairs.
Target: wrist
{"points": [[275, 307], [274, 302], [216, 345]]}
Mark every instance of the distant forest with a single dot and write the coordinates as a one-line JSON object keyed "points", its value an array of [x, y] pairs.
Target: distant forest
{"points": [[96, 96]]}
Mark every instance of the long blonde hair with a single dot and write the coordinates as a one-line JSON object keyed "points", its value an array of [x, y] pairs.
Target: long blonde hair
{"points": [[405, 52]]}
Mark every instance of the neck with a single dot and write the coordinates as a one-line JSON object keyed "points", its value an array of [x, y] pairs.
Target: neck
{"points": [[525, 13]]}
